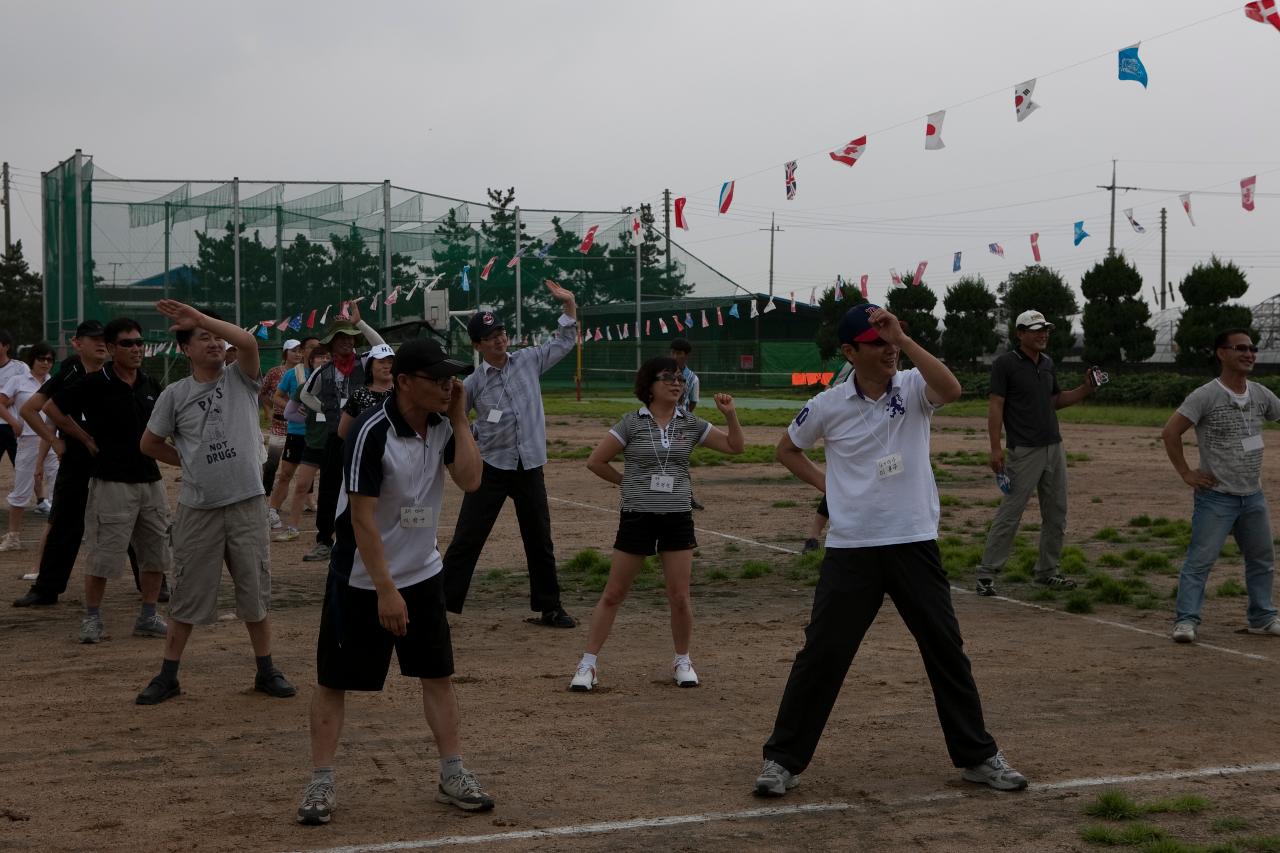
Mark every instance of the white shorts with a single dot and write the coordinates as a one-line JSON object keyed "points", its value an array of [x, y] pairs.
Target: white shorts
{"points": [[24, 470]]}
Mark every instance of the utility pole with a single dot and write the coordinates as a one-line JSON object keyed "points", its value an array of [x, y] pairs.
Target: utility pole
{"points": [[8, 244], [1163, 235], [666, 225], [772, 229], [1111, 246]]}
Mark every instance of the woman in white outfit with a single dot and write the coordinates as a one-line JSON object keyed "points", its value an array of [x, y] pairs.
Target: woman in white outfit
{"points": [[34, 455]]}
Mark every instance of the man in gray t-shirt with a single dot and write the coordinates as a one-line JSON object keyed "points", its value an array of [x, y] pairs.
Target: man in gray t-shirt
{"points": [[212, 418], [1228, 414]]}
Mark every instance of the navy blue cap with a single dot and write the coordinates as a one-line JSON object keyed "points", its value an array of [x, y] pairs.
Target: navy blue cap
{"points": [[855, 325], [90, 329], [483, 324]]}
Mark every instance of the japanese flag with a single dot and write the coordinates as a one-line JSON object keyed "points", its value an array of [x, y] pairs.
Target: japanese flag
{"points": [[1185, 198], [933, 131]]}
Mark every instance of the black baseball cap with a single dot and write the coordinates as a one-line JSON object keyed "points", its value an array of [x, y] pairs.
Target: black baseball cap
{"points": [[425, 356], [90, 329], [483, 324], [855, 326]]}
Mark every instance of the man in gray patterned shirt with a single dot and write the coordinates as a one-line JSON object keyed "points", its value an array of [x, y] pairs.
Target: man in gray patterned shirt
{"points": [[511, 430], [1228, 414]]}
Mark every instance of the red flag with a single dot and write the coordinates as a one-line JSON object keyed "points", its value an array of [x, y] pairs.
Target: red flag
{"points": [[588, 240], [793, 302], [679, 328], [681, 221], [311, 319], [1035, 246], [661, 325], [719, 317], [864, 286], [704, 318], [1246, 191], [598, 335], [918, 278], [850, 153], [270, 324], [488, 268], [646, 328]]}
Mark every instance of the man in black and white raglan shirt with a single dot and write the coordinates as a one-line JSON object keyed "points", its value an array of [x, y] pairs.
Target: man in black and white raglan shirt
{"points": [[385, 589], [883, 539]]}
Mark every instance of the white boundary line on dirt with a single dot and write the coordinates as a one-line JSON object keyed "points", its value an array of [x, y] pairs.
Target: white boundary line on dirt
{"points": [[1094, 619], [613, 826]]}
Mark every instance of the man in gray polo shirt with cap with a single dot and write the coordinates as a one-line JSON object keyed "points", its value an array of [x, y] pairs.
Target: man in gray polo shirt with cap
{"points": [[1024, 399]]}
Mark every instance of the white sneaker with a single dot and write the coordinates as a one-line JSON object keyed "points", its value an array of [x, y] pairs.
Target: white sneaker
{"points": [[997, 773], [11, 542], [684, 675], [584, 680], [1272, 628], [273, 518], [288, 534], [43, 507], [1185, 632]]}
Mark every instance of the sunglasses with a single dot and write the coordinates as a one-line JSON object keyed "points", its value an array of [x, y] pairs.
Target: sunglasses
{"points": [[670, 378], [1241, 347], [128, 342], [44, 358]]}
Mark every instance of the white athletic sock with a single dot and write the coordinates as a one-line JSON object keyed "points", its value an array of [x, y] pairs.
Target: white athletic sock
{"points": [[588, 659], [682, 659]]}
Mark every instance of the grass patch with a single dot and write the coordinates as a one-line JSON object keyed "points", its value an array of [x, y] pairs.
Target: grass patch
{"points": [[588, 560], [1111, 561], [1153, 562], [1230, 588], [959, 559], [1108, 534], [783, 504], [950, 500], [1073, 564], [568, 453], [1229, 823], [1114, 805], [1078, 601], [1095, 500], [717, 575], [1261, 843], [1186, 804], [1133, 554], [1044, 593], [1126, 836], [732, 548], [963, 457], [754, 569], [495, 575], [1140, 521], [1077, 457]]}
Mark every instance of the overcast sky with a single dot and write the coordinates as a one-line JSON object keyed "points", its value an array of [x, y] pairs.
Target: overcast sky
{"points": [[596, 106]]}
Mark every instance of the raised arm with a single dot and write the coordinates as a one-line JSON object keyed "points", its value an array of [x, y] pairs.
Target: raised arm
{"points": [[732, 441], [370, 334], [467, 468], [941, 385], [183, 317]]}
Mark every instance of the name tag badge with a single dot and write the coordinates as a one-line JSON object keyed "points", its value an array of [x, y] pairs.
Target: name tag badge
{"points": [[417, 516], [662, 483], [889, 466], [1251, 442], [319, 417], [495, 415]]}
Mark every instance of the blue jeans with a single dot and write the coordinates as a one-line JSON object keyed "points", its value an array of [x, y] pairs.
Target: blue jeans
{"points": [[1247, 518]]}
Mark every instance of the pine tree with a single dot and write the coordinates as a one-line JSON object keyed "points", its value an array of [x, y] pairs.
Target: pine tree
{"points": [[1044, 290], [831, 307], [970, 321], [1115, 318], [1205, 291], [20, 297], [913, 306]]}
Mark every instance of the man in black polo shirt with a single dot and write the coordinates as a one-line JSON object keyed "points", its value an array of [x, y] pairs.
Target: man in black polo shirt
{"points": [[127, 502], [1024, 399]]}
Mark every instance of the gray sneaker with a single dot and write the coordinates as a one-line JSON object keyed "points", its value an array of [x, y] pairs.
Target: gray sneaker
{"points": [[997, 773], [986, 586], [91, 630], [775, 780], [318, 802], [150, 626], [464, 791], [316, 554]]}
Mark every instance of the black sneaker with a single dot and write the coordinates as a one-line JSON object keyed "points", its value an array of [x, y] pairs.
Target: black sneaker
{"points": [[986, 586], [554, 618], [1056, 582], [35, 599], [274, 683], [158, 691]]}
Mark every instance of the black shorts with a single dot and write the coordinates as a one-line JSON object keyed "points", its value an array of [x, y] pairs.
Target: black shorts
{"points": [[294, 448], [648, 533], [313, 456], [354, 650]]}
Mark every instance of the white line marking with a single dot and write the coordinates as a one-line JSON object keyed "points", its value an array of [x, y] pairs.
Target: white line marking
{"points": [[779, 811]]}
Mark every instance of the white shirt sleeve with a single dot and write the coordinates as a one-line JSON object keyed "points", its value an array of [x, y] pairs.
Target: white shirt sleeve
{"points": [[807, 427]]}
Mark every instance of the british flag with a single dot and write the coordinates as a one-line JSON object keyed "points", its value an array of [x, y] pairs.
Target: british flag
{"points": [[791, 179]]}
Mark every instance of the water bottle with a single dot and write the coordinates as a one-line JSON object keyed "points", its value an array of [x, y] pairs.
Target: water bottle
{"points": [[1002, 480]]}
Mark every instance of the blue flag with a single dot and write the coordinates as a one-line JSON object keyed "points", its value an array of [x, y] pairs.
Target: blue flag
{"points": [[296, 323], [1080, 232], [1131, 67], [955, 263], [733, 312], [688, 320], [466, 282], [262, 332]]}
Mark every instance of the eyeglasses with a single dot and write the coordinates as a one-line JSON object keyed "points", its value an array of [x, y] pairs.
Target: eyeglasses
{"points": [[445, 384], [44, 358], [128, 342], [670, 378], [1241, 347]]}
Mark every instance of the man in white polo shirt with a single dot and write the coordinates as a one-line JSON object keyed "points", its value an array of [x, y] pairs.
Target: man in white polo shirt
{"points": [[883, 540], [385, 589]]}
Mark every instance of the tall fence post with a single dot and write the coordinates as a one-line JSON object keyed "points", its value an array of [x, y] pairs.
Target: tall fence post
{"points": [[519, 300], [638, 251], [279, 259], [79, 211], [386, 249], [235, 245]]}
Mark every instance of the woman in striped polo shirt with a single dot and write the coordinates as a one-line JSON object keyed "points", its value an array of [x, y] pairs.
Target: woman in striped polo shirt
{"points": [[656, 514]]}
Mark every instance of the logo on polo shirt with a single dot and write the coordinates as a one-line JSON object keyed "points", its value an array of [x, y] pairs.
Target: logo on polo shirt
{"points": [[895, 406]]}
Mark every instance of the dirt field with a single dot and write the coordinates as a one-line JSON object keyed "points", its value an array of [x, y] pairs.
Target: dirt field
{"points": [[1070, 698]]}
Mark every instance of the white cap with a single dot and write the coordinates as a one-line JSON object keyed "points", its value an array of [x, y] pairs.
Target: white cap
{"points": [[290, 344], [380, 351], [226, 345], [1032, 321]]}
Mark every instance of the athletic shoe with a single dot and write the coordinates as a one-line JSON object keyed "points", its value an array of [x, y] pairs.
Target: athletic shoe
{"points": [[158, 691], [319, 800], [35, 599], [682, 672], [810, 545], [150, 626], [287, 535], [1056, 582], [91, 630], [316, 554], [986, 586], [556, 617], [43, 507], [693, 502], [997, 773], [1272, 628], [11, 542], [311, 508], [464, 791], [30, 576], [584, 680], [1184, 632], [274, 683], [775, 780], [273, 518]]}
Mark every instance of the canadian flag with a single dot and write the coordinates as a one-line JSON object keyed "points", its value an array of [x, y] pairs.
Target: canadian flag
{"points": [[488, 268], [918, 278], [1022, 103], [933, 131], [1264, 12], [588, 240], [676, 320], [681, 222], [1035, 246], [863, 285], [1246, 192], [851, 152]]}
